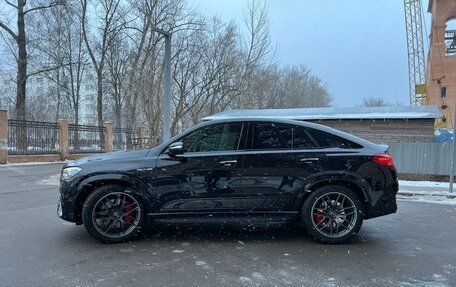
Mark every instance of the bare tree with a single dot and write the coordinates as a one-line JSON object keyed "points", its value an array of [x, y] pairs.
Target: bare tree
{"points": [[144, 90], [374, 102], [118, 68], [20, 38], [111, 16], [256, 49]]}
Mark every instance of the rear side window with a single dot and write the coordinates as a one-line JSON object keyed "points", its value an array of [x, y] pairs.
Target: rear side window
{"points": [[301, 138], [269, 135], [272, 136], [327, 140]]}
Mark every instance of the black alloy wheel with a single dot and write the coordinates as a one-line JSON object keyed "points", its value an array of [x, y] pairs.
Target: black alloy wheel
{"points": [[332, 214], [112, 214]]}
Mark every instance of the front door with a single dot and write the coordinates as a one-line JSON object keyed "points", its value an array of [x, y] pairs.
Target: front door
{"points": [[206, 177]]}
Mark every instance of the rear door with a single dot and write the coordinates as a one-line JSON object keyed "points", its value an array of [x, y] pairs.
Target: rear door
{"points": [[278, 159]]}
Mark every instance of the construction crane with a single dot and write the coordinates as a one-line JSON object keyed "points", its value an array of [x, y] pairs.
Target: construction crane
{"points": [[415, 48]]}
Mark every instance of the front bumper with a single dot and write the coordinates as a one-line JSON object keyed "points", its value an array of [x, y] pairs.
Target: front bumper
{"points": [[65, 210], [65, 205]]}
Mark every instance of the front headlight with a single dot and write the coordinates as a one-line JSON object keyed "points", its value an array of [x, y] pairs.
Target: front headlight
{"points": [[69, 172]]}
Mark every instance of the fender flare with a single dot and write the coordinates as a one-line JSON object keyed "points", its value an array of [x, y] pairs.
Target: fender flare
{"points": [[326, 178]]}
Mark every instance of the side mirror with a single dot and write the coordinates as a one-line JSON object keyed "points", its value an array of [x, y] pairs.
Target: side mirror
{"points": [[176, 148]]}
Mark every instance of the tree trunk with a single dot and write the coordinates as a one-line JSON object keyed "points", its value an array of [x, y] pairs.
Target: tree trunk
{"points": [[100, 102], [21, 74]]}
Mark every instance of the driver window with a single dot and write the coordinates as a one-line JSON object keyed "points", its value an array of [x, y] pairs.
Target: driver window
{"points": [[219, 137]]}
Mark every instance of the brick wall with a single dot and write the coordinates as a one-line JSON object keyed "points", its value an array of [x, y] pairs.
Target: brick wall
{"points": [[3, 136], [439, 66]]}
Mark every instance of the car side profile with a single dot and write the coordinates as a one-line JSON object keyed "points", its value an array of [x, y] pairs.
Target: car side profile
{"points": [[243, 168]]}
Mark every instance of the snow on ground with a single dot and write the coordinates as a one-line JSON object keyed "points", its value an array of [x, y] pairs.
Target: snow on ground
{"points": [[53, 180], [426, 191], [33, 163], [426, 188], [406, 183]]}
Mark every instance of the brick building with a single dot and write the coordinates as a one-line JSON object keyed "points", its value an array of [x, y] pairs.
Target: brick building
{"points": [[441, 63]]}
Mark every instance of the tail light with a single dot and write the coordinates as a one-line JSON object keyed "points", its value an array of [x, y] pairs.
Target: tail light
{"points": [[384, 159]]}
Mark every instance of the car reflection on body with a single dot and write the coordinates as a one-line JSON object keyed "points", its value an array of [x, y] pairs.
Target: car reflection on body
{"points": [[270, 170]]}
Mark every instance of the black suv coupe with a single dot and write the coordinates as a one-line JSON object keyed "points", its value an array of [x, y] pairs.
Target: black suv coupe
{"points": [[244, 168]]}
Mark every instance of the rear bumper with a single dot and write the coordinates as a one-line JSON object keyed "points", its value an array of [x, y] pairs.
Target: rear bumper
{"points": [[385, 203]]}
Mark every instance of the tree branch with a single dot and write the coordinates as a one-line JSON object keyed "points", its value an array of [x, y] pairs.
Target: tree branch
{"points": [[11, 4], [7, 29], [50, 5], [45, 70]]}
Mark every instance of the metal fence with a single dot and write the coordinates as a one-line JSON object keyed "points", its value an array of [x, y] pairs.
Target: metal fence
{"points": [[86, 139], [140, 142], [32, 138], [422, 158], [122, 139]]}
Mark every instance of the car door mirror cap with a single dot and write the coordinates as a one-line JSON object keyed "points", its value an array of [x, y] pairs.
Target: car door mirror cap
{"points": [[175, 149]]}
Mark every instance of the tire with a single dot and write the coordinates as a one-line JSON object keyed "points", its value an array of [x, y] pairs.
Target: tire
{"points": [[332, 214], [113, 214]]}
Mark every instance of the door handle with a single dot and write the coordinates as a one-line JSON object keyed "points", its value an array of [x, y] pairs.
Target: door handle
{"points": [[228, 162], [310, 159]]}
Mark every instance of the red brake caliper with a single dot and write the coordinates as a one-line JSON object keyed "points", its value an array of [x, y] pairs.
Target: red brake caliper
{"points": [[318, 216], [129, 207]]}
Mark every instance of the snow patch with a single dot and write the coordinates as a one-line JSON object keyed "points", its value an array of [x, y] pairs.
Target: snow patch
{"points": [[33, 163], [51, 180], [405, 183], [200, 263], [245, 279]]}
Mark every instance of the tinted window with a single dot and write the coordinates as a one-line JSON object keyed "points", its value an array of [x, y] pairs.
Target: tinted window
{"points": [[327, 140], [301, 138], [272, 136], [220, 137]]}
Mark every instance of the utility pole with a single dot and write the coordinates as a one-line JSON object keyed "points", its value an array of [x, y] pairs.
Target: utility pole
{"points": [[453, 149]]}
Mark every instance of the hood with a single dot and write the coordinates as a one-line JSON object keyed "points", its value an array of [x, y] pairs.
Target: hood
{"points": [[110, 156]]}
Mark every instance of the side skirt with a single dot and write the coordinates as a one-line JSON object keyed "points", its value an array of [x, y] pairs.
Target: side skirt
{"points": [[252, 217]]}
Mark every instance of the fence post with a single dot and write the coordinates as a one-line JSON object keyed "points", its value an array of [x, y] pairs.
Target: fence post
{"points": [[63, 139], [3, 136], [141, 135], [108, 137]]}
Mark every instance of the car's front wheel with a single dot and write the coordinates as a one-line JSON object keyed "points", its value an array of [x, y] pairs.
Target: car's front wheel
{"points": [[332, 214], [112, 214]]}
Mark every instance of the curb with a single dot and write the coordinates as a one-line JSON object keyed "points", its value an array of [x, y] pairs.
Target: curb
{"points": [[435, 195], [31, 164]]}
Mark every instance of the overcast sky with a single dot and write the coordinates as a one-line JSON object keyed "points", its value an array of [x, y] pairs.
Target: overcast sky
{"points": [[357, 47]]}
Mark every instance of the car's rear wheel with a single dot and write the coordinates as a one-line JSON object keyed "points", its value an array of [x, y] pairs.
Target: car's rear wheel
{"points": [[112, 214], [332, 214]]}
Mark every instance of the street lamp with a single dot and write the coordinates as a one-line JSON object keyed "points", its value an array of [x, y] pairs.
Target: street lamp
{"points": [[166, 84]]}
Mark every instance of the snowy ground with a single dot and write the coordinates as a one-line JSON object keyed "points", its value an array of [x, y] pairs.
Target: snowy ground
{"points": [[413, 247], [427, 191]]}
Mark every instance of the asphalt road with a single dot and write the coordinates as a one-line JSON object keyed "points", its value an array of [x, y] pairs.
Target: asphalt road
{"points": [[414, 247]]}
